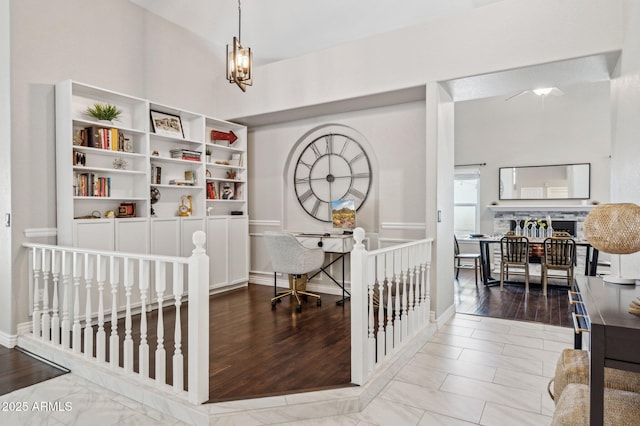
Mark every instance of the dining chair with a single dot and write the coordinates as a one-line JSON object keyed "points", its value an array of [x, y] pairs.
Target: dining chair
{"points": [[514, 252], [459, 257], [289, 256], [559, 254]]}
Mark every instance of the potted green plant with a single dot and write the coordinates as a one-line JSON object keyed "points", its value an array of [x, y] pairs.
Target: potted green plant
{"points": [[104, 112], [208, 155]]}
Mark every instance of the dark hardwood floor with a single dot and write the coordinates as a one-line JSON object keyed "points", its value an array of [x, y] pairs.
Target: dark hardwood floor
{"points": [[257, 351], [19, 370], [512, 303]]}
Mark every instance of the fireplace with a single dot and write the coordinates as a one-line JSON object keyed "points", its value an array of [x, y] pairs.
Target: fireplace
{"points": [[564, 225]]}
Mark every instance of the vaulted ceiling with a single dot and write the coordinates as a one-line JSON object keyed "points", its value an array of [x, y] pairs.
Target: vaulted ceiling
{"points": [[281, 29]]}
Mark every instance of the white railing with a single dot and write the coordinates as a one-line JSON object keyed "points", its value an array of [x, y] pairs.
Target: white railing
{"points": [[390, 301], [70, 287]]}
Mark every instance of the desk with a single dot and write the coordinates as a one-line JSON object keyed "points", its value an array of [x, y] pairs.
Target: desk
{"points": [[590, 263], [338, 244], [615, 334]]}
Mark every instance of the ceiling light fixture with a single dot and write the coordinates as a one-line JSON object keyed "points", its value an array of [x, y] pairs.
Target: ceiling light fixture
{"points": [[543, 91], [239, 60]]}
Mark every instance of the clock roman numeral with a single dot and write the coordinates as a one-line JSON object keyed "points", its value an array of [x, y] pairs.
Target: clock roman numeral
{"points": [[344, 147], [316, 207], [304, 197], [329, 142], [305, 164], [360, 175], [356, 193], [356, 158], [316, 151]]}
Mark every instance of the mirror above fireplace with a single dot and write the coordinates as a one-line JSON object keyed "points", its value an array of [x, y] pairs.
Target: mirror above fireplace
{"points": [[557, 182]]}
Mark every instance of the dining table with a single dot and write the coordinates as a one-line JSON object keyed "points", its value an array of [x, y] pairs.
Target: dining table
{"points": [[486, 241]]}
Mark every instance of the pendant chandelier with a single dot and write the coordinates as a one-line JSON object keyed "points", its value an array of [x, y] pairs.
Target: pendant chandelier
{"points": [[239, 60]]}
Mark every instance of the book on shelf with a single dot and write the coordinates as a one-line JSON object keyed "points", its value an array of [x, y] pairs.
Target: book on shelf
{"points": [[185, 154], [238, 191], [212, 193], [91, 185], [102, 138], [156, 174], [181, 182]]}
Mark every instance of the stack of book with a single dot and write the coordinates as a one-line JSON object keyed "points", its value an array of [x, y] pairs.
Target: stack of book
{"points": [[185, 154]]}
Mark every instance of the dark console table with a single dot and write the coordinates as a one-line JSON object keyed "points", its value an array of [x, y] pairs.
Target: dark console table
{"points": [[614, 334]]}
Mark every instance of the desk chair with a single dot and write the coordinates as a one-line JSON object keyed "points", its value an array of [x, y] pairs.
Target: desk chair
{"points": [[288, 256], [514, 251], [458, 257], [559, 254]]}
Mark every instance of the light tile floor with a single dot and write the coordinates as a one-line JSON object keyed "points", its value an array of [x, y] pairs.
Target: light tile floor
{"points": [[475, 370]]}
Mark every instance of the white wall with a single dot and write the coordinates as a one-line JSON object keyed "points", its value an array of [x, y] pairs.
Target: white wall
{"points": [[625, 159], [529, 131], [505, 35], [394, 140], [6, 284], [139, 54]]}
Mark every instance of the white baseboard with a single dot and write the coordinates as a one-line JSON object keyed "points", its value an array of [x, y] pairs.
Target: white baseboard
{"points": [[446, 316], [8, 340]]}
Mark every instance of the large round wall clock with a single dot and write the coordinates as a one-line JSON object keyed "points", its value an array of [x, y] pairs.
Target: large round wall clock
{"points": [[331, 167]]}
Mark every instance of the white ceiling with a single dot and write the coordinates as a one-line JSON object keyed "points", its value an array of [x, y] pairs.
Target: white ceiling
{"points": [[281, 29]]}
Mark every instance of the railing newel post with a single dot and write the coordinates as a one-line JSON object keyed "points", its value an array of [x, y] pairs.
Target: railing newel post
{"points": [[198, 320]]}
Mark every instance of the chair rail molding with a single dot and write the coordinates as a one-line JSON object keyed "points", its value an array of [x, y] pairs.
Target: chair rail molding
{"points": [[40, 232], [402, 225]]}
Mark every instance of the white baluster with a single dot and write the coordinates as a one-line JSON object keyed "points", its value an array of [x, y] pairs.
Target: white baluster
{"points": [[426, 279], [76, 342], [36, 318], [88, 329], [411, 305], [143, 351], [380, 335], [114, 340], [128, 341], [390, 284], [405, 323], [46, 317], [398, 321], [101, 337], [65, 263], [178, 361], [161, 367], [55, 319], [371, 346]]}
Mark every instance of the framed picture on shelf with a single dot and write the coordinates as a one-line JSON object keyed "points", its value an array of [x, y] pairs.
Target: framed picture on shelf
{"points": [[127, 210], [226, 192], [166, 124]]}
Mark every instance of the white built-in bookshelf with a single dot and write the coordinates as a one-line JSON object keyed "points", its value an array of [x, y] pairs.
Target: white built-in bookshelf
{"points": [[136, 185]]}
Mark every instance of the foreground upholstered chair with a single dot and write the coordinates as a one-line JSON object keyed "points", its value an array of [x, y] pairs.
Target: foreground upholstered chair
{"points": [[559, 254], [514, 252], [621, 408], [289, 256]]}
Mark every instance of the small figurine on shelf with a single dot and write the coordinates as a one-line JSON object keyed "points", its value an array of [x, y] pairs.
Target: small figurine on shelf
{"points": [[183, 209], [231, 174]]}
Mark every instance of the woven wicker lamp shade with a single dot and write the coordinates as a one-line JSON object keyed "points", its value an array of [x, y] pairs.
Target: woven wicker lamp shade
{"points": [[615, 229]]}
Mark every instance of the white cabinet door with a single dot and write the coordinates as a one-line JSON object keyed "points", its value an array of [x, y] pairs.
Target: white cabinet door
{"points": [[132, 235], [96, 234], [189, 225], [165, 236], [238, 249], [217, 240]]}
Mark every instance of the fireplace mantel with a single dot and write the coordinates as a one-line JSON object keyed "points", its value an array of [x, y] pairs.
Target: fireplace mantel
{"points": [[518, 208]]}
